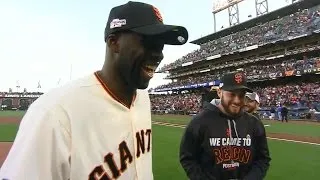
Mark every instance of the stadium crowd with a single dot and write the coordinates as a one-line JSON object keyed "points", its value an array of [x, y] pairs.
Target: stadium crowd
{"points": [[189, 103], [263, 67], [286, 27], [298, 95]]}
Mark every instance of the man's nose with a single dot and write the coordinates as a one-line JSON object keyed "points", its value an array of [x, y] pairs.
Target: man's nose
{"points": [[237, 99]]}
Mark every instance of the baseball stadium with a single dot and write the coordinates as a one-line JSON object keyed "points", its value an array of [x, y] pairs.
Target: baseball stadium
{"points": [[279, 52]]}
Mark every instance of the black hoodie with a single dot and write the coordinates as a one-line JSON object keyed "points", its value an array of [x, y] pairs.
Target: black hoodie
{"points": [[206, 153]]}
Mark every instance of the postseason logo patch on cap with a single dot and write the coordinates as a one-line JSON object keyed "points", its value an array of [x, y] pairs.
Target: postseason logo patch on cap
{"points": [[115, 23]]}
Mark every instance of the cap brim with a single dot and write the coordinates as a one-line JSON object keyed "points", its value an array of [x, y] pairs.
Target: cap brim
{"points": [[171, 35], [250, 95], [250, 98], [237, 88]]}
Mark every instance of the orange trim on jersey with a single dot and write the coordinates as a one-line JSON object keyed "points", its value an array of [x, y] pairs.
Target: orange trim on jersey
{"points": [[105, 87]]}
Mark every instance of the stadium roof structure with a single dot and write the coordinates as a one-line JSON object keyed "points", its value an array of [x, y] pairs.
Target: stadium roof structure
{"points": [[284, 11]]}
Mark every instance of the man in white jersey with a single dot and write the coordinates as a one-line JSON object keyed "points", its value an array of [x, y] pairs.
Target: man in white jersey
{"points": [[99, 126]]}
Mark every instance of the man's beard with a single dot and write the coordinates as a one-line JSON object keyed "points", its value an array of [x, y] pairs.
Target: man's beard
{"points": [[226, 108], [250, 109]]}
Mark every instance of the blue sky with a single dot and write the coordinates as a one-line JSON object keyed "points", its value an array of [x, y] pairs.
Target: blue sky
{"points": [[40, 39]]}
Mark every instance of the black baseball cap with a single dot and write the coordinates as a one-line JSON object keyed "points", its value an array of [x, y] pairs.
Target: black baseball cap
{"points": [[144, 19], [234, 81]]}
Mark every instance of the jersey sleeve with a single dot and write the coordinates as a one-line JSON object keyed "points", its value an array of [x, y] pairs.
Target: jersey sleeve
{"points": [[41, 148]]}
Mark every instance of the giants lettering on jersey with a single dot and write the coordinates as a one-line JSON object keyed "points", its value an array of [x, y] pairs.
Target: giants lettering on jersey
{"points": [[143, 139]]}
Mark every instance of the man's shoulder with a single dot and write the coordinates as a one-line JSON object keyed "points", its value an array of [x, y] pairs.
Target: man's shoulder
{"points": [[256, 114], [254, 122], [67, 92], [52, 103], [144, 93], [203, 116], [251, 117]]}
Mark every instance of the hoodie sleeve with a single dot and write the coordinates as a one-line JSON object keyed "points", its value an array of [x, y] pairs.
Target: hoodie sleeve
{"points": [[262, 159], [190, 148]]}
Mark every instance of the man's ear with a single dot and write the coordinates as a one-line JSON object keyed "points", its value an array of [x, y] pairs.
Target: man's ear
{"points": [[113, 43]]}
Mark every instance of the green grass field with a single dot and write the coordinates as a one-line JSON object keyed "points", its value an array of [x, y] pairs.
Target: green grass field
{"points": [[11, 113], [8, 132], [290, 160]]}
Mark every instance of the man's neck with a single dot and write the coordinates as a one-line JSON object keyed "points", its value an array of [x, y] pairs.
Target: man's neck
{"points": [[123, 93], [251, 112]]}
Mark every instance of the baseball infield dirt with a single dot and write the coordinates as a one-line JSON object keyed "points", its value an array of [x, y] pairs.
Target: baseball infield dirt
{"points": [[302, 122], [10, 120], [295, 137], [4, 150], [5, 146]]}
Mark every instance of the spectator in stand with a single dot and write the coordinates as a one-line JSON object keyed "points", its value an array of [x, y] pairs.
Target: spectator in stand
{"points": [[251, 70], [287, 27], [296, 95], [176, 103]]}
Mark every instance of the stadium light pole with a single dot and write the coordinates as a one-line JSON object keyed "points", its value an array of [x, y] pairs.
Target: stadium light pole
{"points": [[17, 85], [214, 23], [233, 14], [261, 7], [233, 11]]}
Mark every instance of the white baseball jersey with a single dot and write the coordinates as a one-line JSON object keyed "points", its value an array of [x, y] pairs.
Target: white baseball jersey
{"points": [[79, 132]]}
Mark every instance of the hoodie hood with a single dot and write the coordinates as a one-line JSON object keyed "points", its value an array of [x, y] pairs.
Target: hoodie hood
{"points": [[215, 102]]}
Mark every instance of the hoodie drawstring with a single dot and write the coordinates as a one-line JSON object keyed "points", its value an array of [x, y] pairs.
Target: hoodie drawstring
{"points": [[229, 127], [230, 134], [235, 128]]}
